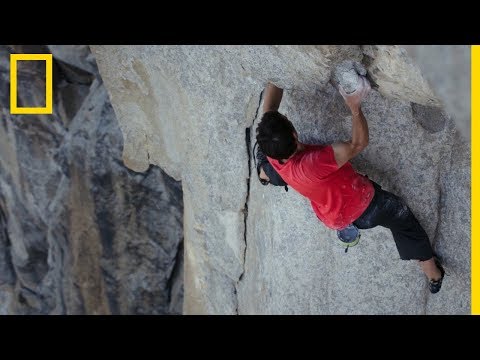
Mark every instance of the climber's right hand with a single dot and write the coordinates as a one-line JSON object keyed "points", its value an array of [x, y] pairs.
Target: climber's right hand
{"points": [[355, 99]]}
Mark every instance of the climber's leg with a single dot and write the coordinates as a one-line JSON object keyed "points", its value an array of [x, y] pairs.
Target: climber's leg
{"points": [[411, 240]]}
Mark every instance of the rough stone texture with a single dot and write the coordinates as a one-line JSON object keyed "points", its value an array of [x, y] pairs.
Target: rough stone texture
{"points": [[79, 232], [251, 249], [346, 75], [447, 68], [396, 75], [79, 56]]}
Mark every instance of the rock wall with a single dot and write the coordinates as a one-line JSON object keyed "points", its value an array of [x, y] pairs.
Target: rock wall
{"points": [[79, 232], [447, 68], [249, 249]]}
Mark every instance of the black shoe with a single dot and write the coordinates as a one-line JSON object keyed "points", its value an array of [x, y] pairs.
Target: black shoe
{"points": [[435, 286], [349, 236]]}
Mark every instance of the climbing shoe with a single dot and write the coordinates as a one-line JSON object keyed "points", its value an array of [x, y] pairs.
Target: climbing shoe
{"points": [[349, 236], [433, 285]]}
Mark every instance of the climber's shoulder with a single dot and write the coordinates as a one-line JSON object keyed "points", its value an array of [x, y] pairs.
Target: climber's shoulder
{"points": [[315, 155]]}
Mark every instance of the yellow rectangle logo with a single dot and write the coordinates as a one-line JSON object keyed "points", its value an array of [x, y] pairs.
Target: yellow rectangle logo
{"points": [[48, 109]]}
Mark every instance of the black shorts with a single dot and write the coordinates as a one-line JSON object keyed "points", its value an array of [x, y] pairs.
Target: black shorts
{"points": [[388, 210]]}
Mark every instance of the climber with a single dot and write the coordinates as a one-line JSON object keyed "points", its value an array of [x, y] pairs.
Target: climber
{"points": [[339, 196]]}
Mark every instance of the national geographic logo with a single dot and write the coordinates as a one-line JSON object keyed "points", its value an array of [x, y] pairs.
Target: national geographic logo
{"points": [[14, 109]]}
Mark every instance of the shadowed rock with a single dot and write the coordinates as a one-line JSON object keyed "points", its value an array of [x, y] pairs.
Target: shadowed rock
{"points": [[431, 118], [79, 232]]}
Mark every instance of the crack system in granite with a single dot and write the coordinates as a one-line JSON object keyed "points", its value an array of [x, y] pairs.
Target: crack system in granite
{"points": [[248, 143]]}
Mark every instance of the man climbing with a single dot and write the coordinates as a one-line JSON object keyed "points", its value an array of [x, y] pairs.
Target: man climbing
{"points": [[340, 197]]}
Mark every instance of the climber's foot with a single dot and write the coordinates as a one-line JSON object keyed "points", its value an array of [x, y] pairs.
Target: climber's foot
{"points": [[436, 284], [434, 273]]}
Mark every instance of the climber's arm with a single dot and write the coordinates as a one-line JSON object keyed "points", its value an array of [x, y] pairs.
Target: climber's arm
{"points": [[273, 97], [344, 151]]}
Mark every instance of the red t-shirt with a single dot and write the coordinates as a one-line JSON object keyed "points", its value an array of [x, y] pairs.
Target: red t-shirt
{"points": [[338, 195]]}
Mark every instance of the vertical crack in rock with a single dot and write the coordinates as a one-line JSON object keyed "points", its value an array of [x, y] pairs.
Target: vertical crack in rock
{"points": [[245, 207], [248, 143], [148, 149], [436, 234], [174, 275], [444, 169]]}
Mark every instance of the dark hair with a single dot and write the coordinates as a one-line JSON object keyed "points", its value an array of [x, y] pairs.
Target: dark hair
{"points": [[275, 136]]}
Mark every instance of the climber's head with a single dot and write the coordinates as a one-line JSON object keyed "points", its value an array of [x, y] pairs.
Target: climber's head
{"points": [[276, 136]]}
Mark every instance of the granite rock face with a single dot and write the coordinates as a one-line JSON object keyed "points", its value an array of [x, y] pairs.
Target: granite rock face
{"points": [[447, 68], [79, 232], [250, 249]]}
